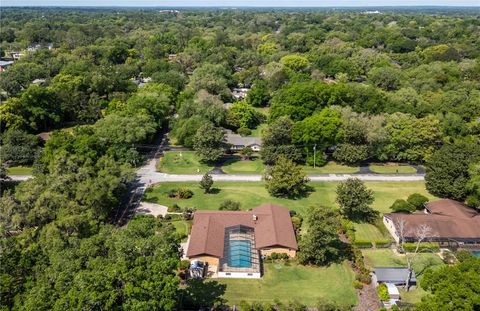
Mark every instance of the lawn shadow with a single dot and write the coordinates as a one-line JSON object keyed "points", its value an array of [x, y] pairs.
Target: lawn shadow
{"points": [[201, 293]]}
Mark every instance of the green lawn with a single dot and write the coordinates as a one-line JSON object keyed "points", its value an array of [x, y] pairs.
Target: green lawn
{"points": [[182, 227], [392, 168], [234, 165], [182, 162], [285, 283], [368, 232], [252, 194], [19, 170], [330, 168]]}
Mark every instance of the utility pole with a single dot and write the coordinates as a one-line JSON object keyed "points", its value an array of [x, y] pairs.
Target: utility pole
{"points": [[314, 155]]}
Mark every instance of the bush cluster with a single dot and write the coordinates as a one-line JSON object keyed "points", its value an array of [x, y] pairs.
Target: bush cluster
{"points": [[180, 193], [425, 247]]}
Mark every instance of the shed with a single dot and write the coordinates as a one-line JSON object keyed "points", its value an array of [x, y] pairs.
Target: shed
{"points": [[393, 275]]}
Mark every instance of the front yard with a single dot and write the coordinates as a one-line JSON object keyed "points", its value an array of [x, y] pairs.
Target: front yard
{"points": [[289, 282], [252, 194]]}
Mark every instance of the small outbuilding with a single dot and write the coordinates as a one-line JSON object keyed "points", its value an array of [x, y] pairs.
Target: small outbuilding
{"points": [[393, 275]]}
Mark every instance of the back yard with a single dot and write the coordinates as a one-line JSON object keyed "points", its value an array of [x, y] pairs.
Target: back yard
{"points": [[288, 282]]}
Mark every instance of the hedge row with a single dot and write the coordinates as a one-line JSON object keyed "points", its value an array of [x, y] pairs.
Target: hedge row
{"points": [[371, 244], [431, 247]]}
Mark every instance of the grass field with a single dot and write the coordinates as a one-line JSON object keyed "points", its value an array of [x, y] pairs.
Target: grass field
{"points": [[234, 165], [330, 168], [285, 283], [368, 232], [182, 162], [19, 170], [182, 227], [252, 194], [392, 168]]}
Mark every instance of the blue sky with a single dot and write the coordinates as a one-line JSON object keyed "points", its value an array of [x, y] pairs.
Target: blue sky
{"points": [[238, 3]]}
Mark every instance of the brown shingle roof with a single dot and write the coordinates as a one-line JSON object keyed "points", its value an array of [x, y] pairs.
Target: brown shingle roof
{"points": [[448, 219], [272, 227]]}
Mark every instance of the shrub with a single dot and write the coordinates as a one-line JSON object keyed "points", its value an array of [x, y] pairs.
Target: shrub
{"points": [[382, 292], [417, 200], [279, 256], [381, 243], [462, 255], [180, 193], [174, 208], [297, 222], [362, 244], [349, 229], [430, 247], [244, 131], [357, 284], [448, 257], [402, 206], [184, 264], [230, 205]]}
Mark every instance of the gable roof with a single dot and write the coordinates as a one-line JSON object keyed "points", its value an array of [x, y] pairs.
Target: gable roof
{"points": [[447, 218], [238, 140], [393, 275], [272, 227]]}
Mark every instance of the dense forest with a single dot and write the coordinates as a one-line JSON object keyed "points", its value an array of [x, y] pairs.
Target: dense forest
{"points": [[401, 87]]}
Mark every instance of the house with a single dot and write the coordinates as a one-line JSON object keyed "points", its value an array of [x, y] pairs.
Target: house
{"points": [[238, 142], [393, 275], [233, 243], [240, 93], [452, 223], [4, 64]]}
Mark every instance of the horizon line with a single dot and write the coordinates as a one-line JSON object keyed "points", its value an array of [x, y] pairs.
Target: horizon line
{"points": [[239, 6]]}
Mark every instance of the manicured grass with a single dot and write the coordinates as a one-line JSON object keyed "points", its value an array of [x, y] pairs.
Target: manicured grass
{"points": [[252, 194], [19, 170], [368, 232], [285, 283], [182, 162], [392, 168], [182, 227], [330, 168], [235, 165]]}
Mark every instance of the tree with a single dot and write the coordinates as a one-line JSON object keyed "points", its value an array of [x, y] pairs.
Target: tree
{"points": [[420, 234], [350, 154], [473, 186], [209, 143], [320, 243], [285, 179], [355, 199], [417, 200], [277, 142], [230, 205], [296, 63], [447, 170], [206, 182], [452, 288], [386, 78], [321, 129], [18, 147], [212, 78], [258, 96], [242, 115], [246, 153], [402, 206]]}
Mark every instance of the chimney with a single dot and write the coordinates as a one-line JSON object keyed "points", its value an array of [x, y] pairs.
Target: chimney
{"points": [[255, 218]]}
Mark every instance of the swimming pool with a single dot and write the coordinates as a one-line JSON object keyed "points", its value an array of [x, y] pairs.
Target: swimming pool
{"points": [[476, 253], [240, 254]]}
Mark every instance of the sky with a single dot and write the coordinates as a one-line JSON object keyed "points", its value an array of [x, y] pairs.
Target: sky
{"points": [[240, 3]]}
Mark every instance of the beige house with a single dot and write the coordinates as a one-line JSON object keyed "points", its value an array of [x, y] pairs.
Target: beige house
{"points": [[234, 242]]}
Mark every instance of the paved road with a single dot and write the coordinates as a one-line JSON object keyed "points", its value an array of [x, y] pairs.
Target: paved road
{"points": [[147, 176]]}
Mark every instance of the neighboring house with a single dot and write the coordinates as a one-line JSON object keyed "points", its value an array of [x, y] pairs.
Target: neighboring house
{"points": [[240, 93], [4, 64], [392, 275], [452, 223], [234, 242], [238, 142]]}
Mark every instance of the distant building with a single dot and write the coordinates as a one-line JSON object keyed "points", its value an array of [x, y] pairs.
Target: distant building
{"points": [[232, 243], [238, 142], [452, 223], [4, 64], [240, 93]]}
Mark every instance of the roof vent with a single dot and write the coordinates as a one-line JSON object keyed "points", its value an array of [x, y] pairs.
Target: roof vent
{"points": [[255, 218]]}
